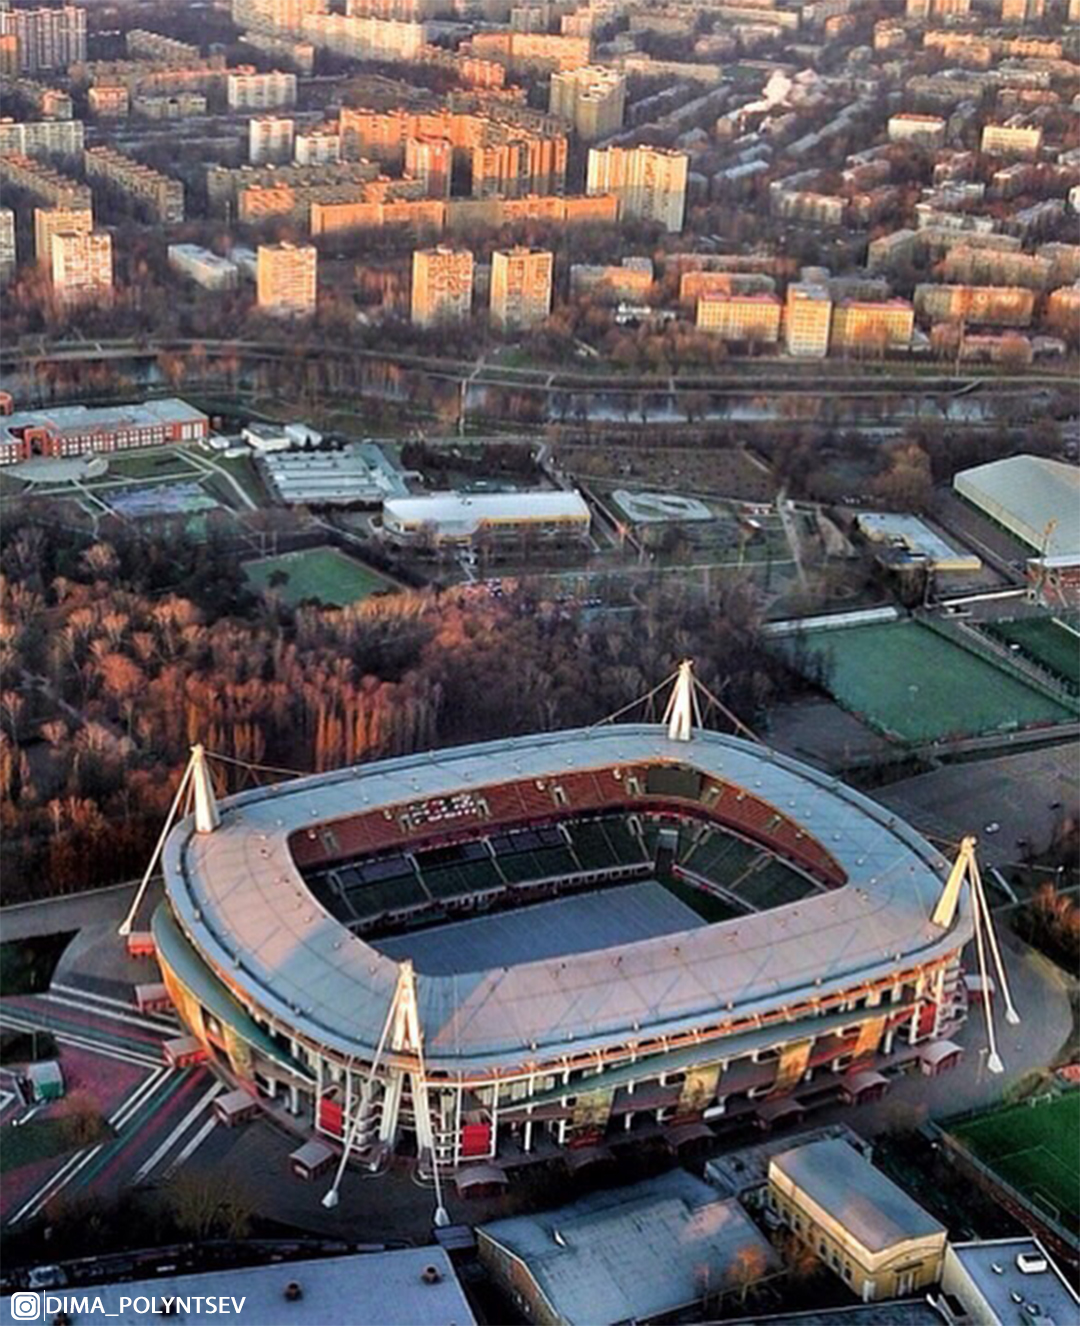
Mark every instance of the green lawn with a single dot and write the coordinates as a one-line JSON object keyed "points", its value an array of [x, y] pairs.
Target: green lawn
{"points": [[1033, 1148], [27, 965], [326, 574], [1047, 642], [915, 685]]}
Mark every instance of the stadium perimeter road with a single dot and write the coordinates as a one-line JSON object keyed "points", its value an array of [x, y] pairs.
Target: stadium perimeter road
{"points": [[1016, 792], [73, 911]]}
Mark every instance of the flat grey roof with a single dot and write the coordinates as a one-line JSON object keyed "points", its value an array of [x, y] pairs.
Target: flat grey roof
{"points": [[870, 1206], [241, 898], [369, 1289], [546, 930], [631, 1253], [1049, 1289], [1034, 497]]}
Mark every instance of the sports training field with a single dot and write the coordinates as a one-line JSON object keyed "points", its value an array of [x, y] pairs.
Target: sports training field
{"points": [[913, 684], [316, 573], [1047, 642], [1034, 1149]]}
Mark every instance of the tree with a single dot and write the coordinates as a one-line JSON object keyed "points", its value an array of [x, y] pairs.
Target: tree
{"points": [[210, 1204], [81, 1120], [748, 1265]]}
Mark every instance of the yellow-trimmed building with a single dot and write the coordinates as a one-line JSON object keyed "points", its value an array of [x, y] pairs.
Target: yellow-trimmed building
{"points": [[741, 317], [858, 1222], [871, 326]]}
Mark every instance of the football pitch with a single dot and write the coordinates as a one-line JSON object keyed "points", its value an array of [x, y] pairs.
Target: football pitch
{"points": [[1033, 1148], [325, 574], [910, 683], [1047, 642]]}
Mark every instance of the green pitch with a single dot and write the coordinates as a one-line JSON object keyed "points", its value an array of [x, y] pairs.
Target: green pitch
{"points": [[1034, 1148], [316, 573], [1046, 641], [912, 684]]}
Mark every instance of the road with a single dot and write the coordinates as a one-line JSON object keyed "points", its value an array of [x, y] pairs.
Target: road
{"points": [[73, 911]]}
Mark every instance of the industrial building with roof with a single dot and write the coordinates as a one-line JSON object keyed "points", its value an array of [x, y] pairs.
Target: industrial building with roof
{"points": [[871, 1233], [637, 1253], [559, 940], [448, 521]]}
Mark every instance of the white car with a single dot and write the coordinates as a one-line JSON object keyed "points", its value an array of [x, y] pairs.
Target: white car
{"points": [[992, 827]]}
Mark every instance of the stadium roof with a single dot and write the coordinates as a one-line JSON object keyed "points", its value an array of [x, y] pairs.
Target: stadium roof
{"points": [[635, 1253], [841, 1181], [1035, 498], [241, 898]]}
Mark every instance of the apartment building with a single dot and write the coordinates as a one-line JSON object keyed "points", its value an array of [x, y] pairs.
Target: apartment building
{"points": [[868, 327], [531, 52], [175, 106], [741, 317], [82, 267], [592, 98], [431, 161], [42, 139], [649, 182], [109, 103], [41, 183], [247, 90], [50, 221], [204, 267], [442, 282], [271, 139], [144, 45], [521, 286], [1022, 11], [363, 38], [287, 279], [631, 280], [43, 102], [156, 197], [1011, 140], [518, 167], [922, 130], [46, 38], [226, 186], [807, 320], [924, 9], [298, 55], [317, 147], [976, 305], [8, 261]]}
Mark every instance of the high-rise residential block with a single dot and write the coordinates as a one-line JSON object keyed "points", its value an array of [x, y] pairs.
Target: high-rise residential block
{"points": [[807, 320], [442, 281], [7, 244], [649, 182], [248, 90], [46, 38], [287, 279], [82, 267], [156, 197], [430, 160], [521, 286], [593, 99], [271, 139], [49, 221], [317, 147], [42, 139]]}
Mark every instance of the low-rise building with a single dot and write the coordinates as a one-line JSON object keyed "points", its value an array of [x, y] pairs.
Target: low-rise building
{"points": [[741, 317], [856, 1220], [923, 130], [80, 430], [204, 267], [1011, 140], [999, 1282], [109, 103], [449, 522], [871, 326], [641, 1253]]}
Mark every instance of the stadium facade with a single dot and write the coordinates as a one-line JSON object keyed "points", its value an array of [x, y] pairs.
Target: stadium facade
{"points": [[556, 940]]}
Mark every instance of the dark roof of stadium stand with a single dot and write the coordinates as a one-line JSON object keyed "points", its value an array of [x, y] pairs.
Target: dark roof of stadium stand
{"points": [[239, 895]]}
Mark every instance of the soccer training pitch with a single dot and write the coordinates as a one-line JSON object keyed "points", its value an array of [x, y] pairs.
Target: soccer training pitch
{"points": [[316, 573], [1047, 642], [1032, 1147], [913, 684]]}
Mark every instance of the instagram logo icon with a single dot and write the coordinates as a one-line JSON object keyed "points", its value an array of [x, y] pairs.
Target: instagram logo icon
{"points": [[26, 1306]]}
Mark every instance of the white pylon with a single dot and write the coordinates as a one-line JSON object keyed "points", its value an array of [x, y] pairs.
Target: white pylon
{"points": [[682, 710], [207, 816]]}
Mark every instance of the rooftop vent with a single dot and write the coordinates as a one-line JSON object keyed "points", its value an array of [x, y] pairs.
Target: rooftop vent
{"points": [[293, 1292], [431, 1275]]}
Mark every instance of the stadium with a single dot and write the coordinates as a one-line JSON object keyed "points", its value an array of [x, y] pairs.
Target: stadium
{"points": [[550, 944]]}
